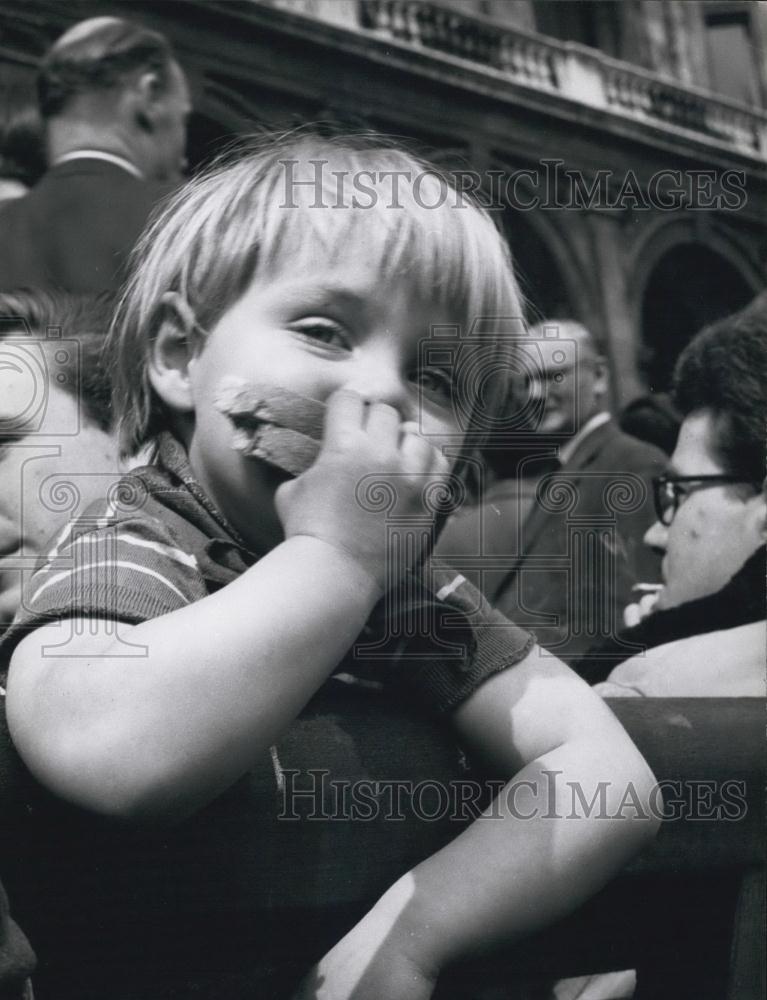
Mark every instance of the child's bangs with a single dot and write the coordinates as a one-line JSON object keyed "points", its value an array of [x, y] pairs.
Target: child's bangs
{"points": [[300, 204], [421, 229]]}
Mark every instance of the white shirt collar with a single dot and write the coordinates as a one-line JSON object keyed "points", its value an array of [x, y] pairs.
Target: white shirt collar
{"points": [[566, 450], [99, 154]]}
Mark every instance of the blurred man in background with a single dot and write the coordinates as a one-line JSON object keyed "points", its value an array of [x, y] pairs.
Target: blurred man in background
{"points": [[565, 514], [114, 102]]}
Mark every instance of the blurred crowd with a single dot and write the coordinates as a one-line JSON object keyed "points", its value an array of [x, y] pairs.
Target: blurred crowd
{"points": [[626, 549]]}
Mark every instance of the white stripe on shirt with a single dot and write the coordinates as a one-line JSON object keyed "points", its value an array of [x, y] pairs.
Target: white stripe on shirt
{"points": [[448, 589], [178, 555], [112, 564]]}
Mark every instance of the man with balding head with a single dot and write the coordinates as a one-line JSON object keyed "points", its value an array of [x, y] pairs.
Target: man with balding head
{"points": [[558, 532], [114, 101]]}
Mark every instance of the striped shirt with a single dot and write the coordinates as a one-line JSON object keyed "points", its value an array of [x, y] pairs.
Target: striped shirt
{"points": [[158, 543], [242, 898]]}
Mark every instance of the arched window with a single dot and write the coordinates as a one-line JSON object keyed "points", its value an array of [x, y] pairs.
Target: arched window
{"points": [[540, 277], [689, 287]]}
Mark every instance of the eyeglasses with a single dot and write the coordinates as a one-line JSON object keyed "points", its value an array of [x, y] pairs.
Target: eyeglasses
{"points": [[668, 491], [558, 373]]}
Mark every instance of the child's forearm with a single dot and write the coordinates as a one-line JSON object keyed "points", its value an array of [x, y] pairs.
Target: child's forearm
{"points": [[580, 805], [504, 877], [220, 681], [530, 859]]}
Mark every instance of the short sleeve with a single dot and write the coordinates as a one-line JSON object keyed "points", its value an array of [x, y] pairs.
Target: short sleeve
{"points": [[128, 570], [443, 641]]}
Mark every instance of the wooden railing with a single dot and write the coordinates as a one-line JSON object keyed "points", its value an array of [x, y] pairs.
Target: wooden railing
{"points": [[689, 912], [574, 71]]}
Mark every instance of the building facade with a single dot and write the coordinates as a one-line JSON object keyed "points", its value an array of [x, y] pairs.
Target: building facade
{"points": [[621, 144]]}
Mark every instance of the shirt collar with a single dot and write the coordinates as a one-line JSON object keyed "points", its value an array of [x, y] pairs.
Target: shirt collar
{"points": [[567, 450], [172, 457], [225, 556], [99, 154]]}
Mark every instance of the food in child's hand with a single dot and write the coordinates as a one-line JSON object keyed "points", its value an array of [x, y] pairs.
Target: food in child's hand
{"points": [[278, 426]]}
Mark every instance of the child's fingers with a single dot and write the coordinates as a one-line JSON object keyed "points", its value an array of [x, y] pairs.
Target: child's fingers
{"points": [[383, 423], [408, 427], [345, 412], [422, 453], [418, 454]]}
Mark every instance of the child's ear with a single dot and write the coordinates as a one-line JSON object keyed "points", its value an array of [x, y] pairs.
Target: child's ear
{"points": [[173, 352]]}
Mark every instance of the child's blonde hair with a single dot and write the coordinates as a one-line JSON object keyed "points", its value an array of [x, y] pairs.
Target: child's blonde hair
{"points": [[275, 203]]}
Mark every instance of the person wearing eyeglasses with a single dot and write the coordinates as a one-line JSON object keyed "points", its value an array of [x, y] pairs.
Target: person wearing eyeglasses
{"points": [[704, 628], [556, 541]]}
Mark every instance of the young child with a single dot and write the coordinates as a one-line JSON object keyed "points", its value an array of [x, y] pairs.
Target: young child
{"points": [[206, 657]]}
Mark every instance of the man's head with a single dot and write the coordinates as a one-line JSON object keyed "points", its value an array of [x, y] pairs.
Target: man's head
{"points": [[115, 86], [712, 524], [566, 376], [57, 450]]}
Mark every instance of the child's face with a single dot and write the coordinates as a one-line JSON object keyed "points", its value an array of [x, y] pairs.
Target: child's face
{"points": [[327, 327]]}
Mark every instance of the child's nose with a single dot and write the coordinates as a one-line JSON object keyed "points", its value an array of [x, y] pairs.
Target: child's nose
{"points": [[379, 384]]}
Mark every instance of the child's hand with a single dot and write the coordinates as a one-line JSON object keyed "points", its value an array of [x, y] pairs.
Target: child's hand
{"points": [[337, 499], [391, 954], [351, 973]]}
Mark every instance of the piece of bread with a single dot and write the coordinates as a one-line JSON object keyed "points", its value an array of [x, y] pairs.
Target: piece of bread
{"points": [[276, 425]]}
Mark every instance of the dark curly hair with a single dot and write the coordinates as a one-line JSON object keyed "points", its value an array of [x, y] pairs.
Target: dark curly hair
{"points": [[724, 370], [98, 54]]}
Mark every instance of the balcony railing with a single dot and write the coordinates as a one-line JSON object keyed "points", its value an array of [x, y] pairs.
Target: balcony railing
{"points": [[431, 26], [565, 68]]}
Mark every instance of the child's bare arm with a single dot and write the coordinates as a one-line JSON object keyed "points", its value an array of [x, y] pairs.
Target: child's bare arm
{"points": [[545, 845], [220, 680], [544, 723], [163, 734]]}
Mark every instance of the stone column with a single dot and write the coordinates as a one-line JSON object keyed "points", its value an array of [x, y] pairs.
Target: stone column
{"points": [[621, 334]]}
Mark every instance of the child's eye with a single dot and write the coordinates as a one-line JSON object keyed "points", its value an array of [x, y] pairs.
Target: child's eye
{"points": [[435, 382], [325, 331]]}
